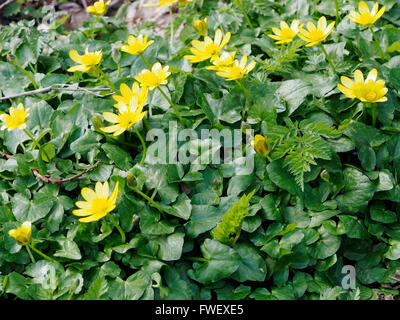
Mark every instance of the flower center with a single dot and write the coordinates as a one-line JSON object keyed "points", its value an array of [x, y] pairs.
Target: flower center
{"points": [[287, 34], [100, 205], [316, 35]]}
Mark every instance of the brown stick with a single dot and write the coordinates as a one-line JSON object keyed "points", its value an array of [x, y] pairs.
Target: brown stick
{"points": [[5, 155], [6, 4], [51, 88], [47, 178]]}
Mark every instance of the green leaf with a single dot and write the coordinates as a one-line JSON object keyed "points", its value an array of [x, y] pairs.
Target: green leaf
{"points": [[121, 158], [31, 210], [69, 249], [357, 192], [98, 288], [221, 262]]}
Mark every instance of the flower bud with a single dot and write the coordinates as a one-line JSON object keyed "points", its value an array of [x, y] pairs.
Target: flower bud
{"points": [[325, 175], [130, 178], [200, 26], [97, 123], [260, 144], [22, 234]]}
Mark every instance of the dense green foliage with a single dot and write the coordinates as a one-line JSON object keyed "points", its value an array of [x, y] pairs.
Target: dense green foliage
{"points": [[325, 196]]}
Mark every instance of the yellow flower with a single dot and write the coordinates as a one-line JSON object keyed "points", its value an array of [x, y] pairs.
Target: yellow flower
{"points": [[127, 117], [286, 34], [237, 70], [22, 234], [136, 45], [16, 119], [99, 8], [366, 17], [161, 4], [225, 60], [368, 90], [152, 79], [203, 50], [128, 93], [260, 144], [200, 26], [97, 204], [316, 34], [86, 62]]}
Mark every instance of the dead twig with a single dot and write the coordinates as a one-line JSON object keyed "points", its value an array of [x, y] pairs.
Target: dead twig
{"points": [[56, 88], [4, 155], [47, 178], [6, 3]]}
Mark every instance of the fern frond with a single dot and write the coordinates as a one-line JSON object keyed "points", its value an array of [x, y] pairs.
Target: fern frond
{"points": [[319, 128], [229, 228]]}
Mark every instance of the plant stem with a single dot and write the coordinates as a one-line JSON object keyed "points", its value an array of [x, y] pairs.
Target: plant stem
{"points": [[27, 74], [143, 144], [30, 254], [329, 60], [107, 79], [377, 42], [40, 253], [30, 135], [236, 237], [249, 98], [374, 111], [121, 232], [337, 11], [196, 259], [172, 105], [150, 200], [145, 60], [171, 23], [240, 2]]}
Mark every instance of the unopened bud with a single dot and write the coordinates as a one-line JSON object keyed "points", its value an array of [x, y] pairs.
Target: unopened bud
{"points": [[325, 175], [97, 123], [260, 144], [130, 178], [200, 26]]}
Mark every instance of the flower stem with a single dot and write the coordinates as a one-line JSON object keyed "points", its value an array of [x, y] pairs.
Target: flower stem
{"points": [[40, 253], [377, 42], [30, 254], [27, 74], [145, 60], [240, 2], [374, 111], [329, 60], [143, 144], [150, 200], [107, 79], [249, 98], [121, 232], [35, 142], [337, 11], [171, 24], [172, 105]]}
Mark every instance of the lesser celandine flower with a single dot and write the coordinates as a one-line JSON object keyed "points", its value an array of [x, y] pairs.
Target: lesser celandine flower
{"points": [[22, 234], [365, 17], [160, 4], [87, 62], [208, 49], [286, 34], [260, 144], [225, 60], [99, 8], [237, 70], [127, 117], [369, 90], [97, 202], [200, 26], [136, 45], [152, 79], [127, 94], [316, 34], [16, 119]]}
